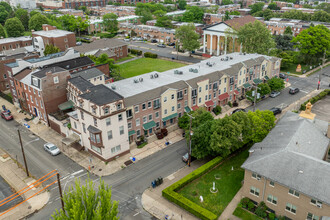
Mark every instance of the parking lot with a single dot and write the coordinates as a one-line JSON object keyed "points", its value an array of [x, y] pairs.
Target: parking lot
{"points": [[6, 191]]}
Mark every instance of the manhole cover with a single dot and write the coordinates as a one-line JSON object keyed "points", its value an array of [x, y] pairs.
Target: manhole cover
{"points": [[129, 162]]}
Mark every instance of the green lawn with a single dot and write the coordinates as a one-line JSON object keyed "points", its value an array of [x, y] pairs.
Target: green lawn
{"points": [[228, 185], [129, 56], [146, 65], [243, 214], [292, 68]]}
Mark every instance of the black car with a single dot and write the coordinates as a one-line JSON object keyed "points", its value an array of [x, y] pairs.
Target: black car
{"points": [[154, 41], [282, 76], [238, 110], [171, 44], [276, 110], [293, 90]]}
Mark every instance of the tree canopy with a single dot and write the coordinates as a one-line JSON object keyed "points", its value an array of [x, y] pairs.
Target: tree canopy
{"points": [[50, 49], [262, 122], [273, 6], [164, 21], [188, 37], [288, 31], [23, 16], [256, 7], [193, 14], [84, 202], [226, 2], [110, 22], [182, 4], [2, 32], [256, 38], [3, 14], [145, 16], [14, 27], [37, 21], [276, 84], [283, 42], [104, 59]]}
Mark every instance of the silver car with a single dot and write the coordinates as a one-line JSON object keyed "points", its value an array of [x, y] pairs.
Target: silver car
{"points": [[273, 94], [52, 149]]}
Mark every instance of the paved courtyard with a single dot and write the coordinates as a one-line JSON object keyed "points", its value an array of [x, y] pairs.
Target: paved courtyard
{"points": [[322, 109]]}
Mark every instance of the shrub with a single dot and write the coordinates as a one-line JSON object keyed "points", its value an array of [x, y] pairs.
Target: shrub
{"points": [[106, 35], [245, 202], [230, 105], [150, 55], [261, 210], [217, 110], [137, 52], [271, 216], [315, 99], [250, 206]]}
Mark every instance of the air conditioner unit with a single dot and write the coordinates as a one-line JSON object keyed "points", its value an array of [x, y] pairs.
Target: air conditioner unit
{"points": [[141, 79], [258, 178], [156, 75], [151, 76], [113, 87], [319, 205], [136, 81], [180, 72]]}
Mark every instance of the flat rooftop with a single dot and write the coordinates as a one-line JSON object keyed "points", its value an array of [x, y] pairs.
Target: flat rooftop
{"points": [[52, 33], [14, 39]]}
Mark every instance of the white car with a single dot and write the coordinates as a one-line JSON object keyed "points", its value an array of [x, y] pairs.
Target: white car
{"points": [[127, 39], [52, 149]]}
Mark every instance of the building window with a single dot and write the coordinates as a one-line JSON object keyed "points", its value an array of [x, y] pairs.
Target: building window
{"points": [[199, 100], [185, 103], [206, 87], [129, 113], [172, 96], [118, 107], [138, 133], [165, 99], [316, 202], [150, 117], [144, 119], [120, 117], [94, 110], [272, 199], [137, 122], [206, 98], [185, 91], [256, 176], [97, 149], [271, 183], [156, 114], [179, 105], [210, 96], [115, 149], [136, 109], [165, 112], [294, 192], [106, 110], [121, 130], [149, 104], [55, 79], [254, 191], [224, 90], [82, 115], [310, 216], [291, 208], [95, 122], [143, 106], [84, 127], [108, 121], [156, 103], [200, 89]]}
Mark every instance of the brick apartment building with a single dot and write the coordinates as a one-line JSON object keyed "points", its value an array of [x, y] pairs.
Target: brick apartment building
{"points": [[74, 12], [114, 48], [77, 3], [134, 2], [15, 43], [230, 8], [288, 171], [120, 11], [121, 112], [59, 38], [199, 27]]}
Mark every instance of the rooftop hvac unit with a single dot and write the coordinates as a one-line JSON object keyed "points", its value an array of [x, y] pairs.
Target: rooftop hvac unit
{"points": [[222, 59], [151, 76], [156, 75], [113, 87], [180, 72], [231, 58], [136, 80], [191, 69], [195, 70], [176, 71], [141, 79]]}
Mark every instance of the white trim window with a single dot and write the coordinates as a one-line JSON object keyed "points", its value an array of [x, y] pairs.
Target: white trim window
{"points": [[272, 199], [294, 192], [115, 149], [291, 208], [256, 176], [311, 216], [254, 191]]}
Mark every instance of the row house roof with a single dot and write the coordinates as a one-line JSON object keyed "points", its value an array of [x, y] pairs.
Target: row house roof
{"points": [[101, 95]]}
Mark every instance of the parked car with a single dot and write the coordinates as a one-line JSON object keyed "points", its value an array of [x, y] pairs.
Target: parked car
{"points": [[127, 40], [185, 158], [161, 45], [52, 149], [238, 110], [154, 41], [6, 115], [85, 38], [273, 94], [275, 110], [139, 39], [171, 44], [78, 43], [282, 76], [293, 90]]}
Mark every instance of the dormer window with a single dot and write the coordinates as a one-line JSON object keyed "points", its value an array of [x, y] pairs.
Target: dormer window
{"points": [[94, 110], [118, 107], [106, 110]]}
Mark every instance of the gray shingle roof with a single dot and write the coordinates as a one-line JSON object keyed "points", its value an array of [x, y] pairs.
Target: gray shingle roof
{"points": [[87, 74], [42, 73], [100, 44], [81, 83], [73, 63], [101, 95], [292, 155]]}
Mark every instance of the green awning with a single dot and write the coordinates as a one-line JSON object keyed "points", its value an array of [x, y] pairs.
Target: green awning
{"points": [[257, 81], [247, 85], [149, 125], [130, 133], [266, 78], [187, 109], [66, 105], [170, 117]]}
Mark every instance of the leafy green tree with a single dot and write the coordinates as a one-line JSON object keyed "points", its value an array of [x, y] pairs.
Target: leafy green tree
{"points": [[276, 84], [200, 116], [50, 49], [41, 8], [313, 42], [200, 140], [164, 21], [182, 4], [256, 7], [159, 13], [145, 16], [234, 13], [324, 6], [321, 16], [36, 22], [188, 37], [70, 23], [6, 6], [193, 14], [288, 31], [262, 122], [110, 22], [273, 6], [84, 202], [34, 12], [287, 59], [227, 17], [104, 59], [295, 14], [2, 32], [256, 38], [226, 2], [23, 16], [263, 89], [3, 14], [283, 42], [242, 119], [85, 10], [14, 27]]}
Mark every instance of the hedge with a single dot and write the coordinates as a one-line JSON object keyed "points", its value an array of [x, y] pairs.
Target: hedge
{"points": [[7, 97], [171, 194], [150, 55], [315, 99], [137, 52]]}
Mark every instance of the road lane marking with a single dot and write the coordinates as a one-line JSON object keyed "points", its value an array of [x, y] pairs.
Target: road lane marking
{"points": [[79, 171], [136, 214], [304, 91]]}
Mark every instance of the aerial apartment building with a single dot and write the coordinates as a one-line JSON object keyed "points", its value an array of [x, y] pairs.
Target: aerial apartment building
{"points": [[110, 117]]}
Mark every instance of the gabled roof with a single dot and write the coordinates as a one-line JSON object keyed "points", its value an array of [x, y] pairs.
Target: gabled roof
{"points": [[236, 23], [42, 73], [100, 44], [73, 63], [87, 74], [101, 95], [80, 83], [292, 155]]}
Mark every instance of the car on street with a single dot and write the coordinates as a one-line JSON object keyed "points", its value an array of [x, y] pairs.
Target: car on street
{"points": [[273, 94], [238, 110], [139, 39], [275, 110], [161, 45], [171, 44], [185, 158], [85, 38], [6, 115], [78, 43], [293, 90], [282, 76], [127, 40], [154, 41], [52, 149]]}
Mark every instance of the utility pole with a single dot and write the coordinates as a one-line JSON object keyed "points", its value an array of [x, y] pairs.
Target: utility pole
{"points": [[60, 189], [20, 140], [177, 49], [190, 133], [255, 98], [323, 61]]}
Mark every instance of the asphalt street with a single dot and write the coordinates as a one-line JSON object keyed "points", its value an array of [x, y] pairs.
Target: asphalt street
{"points": [[163, 52], [5, 191]]}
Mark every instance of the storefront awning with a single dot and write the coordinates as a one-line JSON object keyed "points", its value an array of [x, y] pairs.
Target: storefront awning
{"points": [[266, 78], [257, 81], [194, 108], [187, 109], [170, 117], [223, 96], [66, 105], [236, 92], [209, 103], [149, 125], [130, 133], [247, 85]]}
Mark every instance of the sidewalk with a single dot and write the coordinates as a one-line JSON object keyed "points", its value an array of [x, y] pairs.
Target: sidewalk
{"points": [[18, 180], [83, 158], [158, 206]]}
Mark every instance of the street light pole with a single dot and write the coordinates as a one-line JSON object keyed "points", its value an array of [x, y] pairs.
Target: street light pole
{"points": [[190, 133], [20, 140], [60, 190]]}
